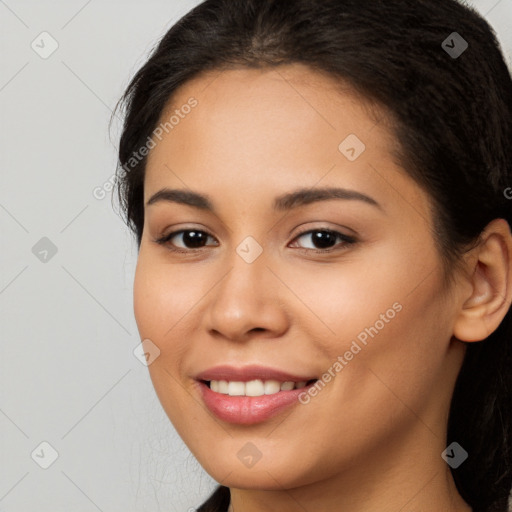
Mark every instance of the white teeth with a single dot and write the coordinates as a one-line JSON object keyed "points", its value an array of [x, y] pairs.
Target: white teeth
{"points": [[236, 388], [223, 386], [255, 387], [272, 386]]}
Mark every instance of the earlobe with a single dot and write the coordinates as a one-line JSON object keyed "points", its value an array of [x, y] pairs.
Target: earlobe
{"points": [[491, 285]]}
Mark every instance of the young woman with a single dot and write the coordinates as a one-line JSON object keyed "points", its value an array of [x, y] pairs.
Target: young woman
{"points": [[320, 192]]}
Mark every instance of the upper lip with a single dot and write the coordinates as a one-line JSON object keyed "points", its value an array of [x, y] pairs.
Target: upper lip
{"points": [[251, 372]]}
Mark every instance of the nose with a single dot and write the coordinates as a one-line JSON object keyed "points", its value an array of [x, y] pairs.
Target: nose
{"points": [[249, 300]]}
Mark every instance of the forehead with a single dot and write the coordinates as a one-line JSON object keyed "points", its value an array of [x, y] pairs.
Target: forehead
{"points": [[294, 96], [250, 127]]}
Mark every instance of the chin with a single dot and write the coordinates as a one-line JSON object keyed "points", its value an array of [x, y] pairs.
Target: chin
{"points": [[276, 473]]}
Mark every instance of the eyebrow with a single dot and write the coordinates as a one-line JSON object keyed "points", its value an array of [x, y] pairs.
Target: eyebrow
{"points": [[285, 202]]}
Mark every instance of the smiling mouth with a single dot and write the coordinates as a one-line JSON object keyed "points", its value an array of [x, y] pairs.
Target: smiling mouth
{"points": [[256, 387]]}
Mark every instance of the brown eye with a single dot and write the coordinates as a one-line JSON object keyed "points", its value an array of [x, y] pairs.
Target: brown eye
{"points": [[186, 239], [325, 239]]}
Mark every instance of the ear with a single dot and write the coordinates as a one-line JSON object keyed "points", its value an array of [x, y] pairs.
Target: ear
{"points": [[490, 278]]}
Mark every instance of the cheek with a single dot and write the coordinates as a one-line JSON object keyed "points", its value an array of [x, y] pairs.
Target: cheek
{"points": [[386, 314], [403, 343], [345, 300], [163, 299], [160, 307], [148, 299], [163, 295]]}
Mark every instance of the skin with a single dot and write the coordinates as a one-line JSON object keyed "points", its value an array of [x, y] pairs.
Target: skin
{"points": [[372, 438]]}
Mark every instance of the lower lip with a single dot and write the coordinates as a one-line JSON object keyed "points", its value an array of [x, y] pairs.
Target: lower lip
{"points": [[247, 410]]}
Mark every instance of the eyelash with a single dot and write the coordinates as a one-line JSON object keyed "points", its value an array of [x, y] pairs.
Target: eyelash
{"points": [[347, 240]]}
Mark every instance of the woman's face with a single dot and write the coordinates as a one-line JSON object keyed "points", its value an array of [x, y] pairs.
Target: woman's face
{"points": [[309, 255]]}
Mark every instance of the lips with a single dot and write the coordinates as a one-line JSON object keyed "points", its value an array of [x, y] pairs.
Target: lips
{"points": [[216, 386]]}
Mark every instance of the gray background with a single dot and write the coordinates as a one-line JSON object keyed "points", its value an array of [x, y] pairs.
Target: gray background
{"points": [[68, 375]]}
